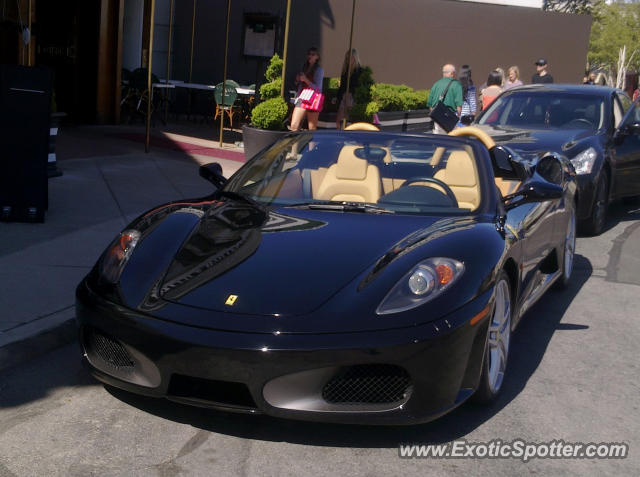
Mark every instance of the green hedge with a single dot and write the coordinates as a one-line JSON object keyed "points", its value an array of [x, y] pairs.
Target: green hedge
{"points": [[391, 97], [378, 97], [363, 109], [270, 114]]}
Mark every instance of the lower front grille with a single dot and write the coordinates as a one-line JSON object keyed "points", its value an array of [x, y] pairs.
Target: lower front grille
{"points": [[368, 384], [109, 350], [221, 392]]}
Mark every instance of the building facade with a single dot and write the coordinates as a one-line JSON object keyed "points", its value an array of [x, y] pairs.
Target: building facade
{"points": [[89, 42]]}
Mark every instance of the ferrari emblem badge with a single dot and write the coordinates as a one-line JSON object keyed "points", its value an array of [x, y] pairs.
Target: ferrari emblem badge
{"points": [[231, 299]]}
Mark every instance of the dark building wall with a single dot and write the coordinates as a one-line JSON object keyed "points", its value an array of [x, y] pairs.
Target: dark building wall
{"points": [[404, 41], [209, 40]]}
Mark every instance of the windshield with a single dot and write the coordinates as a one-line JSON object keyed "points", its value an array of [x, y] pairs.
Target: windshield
{"points": [[545, 110], [368, 172]]}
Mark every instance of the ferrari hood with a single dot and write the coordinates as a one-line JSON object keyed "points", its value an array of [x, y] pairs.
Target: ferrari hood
{"points": [[537, 140], [283, 263]]}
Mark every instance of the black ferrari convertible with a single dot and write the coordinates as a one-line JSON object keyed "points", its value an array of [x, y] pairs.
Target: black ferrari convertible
{"points": [[350, 276]]}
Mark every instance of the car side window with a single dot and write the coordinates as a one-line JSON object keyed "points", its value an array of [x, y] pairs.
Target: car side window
{"points": [[634, 115]]}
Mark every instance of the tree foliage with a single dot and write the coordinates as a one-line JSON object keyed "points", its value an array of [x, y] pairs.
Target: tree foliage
{"points": [[570, 6], [615, 26]]}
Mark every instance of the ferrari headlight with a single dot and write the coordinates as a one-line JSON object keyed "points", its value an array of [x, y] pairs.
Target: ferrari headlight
{"points": [[424, 282], [117, 255], [583, 162]]}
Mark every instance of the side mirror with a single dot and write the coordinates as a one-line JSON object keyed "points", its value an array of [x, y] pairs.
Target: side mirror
{"points": [[213, 173], [506, 165], [533, 192], [629, 129]]}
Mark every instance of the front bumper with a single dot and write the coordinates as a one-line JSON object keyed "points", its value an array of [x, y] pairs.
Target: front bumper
{"points": [[395, 376]]}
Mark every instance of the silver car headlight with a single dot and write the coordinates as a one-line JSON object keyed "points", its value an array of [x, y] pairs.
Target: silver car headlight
{"points": [[583, 162], [118, 254], [424, 282]]}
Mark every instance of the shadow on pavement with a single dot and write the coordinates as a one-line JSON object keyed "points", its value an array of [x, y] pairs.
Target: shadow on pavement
{"points": [[35, 380], [620, 211], [529, 344]]}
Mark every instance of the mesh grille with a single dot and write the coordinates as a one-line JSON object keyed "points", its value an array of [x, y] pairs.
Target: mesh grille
{"points": [[110, 351], [371, 383]]}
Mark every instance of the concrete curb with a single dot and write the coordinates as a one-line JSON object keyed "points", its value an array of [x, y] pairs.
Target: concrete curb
{"points": [[30, 347]]}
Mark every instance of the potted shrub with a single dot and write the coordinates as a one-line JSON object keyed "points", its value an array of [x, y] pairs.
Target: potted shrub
{"points": [[267, 118], [400, 108]]}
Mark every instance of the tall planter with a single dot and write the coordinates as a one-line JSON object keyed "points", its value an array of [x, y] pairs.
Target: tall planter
{"points": [[256, 139], [327, 120], [413, 120]]}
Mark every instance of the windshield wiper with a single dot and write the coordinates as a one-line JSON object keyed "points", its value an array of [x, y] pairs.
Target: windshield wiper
{"points": [[343, 207]]}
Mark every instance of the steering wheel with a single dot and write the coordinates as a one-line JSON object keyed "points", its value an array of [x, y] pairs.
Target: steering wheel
{"points": [[447, 190], [579, 121]]}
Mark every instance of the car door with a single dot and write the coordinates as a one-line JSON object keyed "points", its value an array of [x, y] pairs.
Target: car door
{"points": [[627, 154], [538, 229]]}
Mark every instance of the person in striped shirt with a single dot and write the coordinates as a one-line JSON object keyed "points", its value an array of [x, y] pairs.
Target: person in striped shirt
{"points": [[469, 104]]}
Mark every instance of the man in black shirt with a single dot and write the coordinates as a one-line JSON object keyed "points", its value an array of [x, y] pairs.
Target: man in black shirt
{"points": [[541, 75]]}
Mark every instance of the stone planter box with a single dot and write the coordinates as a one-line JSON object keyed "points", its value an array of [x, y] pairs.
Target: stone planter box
{"points": [[327, 120], [413, 120], [256, 139]]}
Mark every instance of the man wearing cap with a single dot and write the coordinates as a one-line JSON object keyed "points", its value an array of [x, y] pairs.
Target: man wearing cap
{"points": [[453, 98], [541, 75]]}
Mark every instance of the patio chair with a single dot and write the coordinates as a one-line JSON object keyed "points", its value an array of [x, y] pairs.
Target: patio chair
{"points": [[225, 103], [137, 95]]}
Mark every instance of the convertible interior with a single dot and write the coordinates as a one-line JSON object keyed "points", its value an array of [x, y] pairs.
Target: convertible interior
{"points": [[398, 174]]}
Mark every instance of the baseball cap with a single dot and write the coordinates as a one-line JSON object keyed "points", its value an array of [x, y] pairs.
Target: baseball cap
{"points": [[541, 62]]}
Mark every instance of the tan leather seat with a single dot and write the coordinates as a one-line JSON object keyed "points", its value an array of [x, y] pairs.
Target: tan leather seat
{"points": [[461, 176], [507, 186], [350, 179]]}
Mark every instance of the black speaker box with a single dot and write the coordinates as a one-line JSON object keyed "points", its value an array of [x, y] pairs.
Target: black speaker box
{"points": [[25, 104]]}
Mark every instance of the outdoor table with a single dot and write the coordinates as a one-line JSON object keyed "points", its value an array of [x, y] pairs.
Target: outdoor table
{"points": [[244, 92]]}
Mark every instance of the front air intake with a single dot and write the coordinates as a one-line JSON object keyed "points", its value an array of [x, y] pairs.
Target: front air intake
{"points": [[109, 351], [368, 384]]}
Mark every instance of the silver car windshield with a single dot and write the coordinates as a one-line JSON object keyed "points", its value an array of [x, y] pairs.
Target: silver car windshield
{"points": [[544, 110]]}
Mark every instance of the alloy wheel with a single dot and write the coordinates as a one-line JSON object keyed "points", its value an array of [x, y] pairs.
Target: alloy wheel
{"points": [[499, 337], [569, 247], [600, 206]]}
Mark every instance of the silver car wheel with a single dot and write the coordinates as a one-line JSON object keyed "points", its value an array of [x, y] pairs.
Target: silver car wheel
{"points": [[569, 247], [499, 336]]}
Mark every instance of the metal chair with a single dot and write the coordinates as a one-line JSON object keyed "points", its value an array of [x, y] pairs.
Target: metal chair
{"points": [[137, 94], [225, 103]]}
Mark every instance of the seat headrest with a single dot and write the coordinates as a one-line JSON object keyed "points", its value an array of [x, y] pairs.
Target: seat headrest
{"points": [[349, 167], [460, 170]]}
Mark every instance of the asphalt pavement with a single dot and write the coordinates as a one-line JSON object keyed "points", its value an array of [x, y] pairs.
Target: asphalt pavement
{"points": [[107, 181]]}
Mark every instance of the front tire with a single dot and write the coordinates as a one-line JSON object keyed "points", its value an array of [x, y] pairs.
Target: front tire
{"points": [[568, 253], [496, 353], [594, 225]]}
